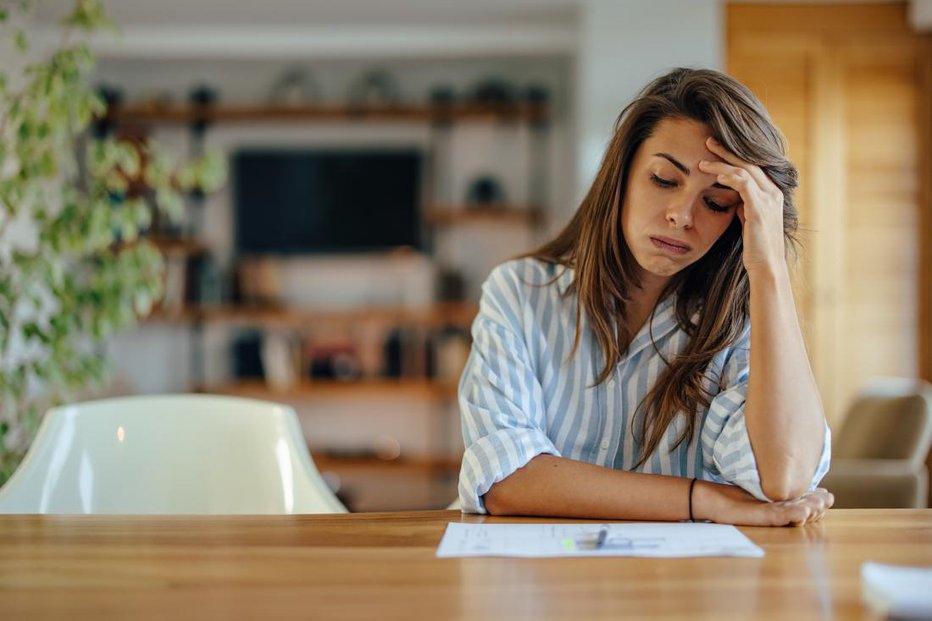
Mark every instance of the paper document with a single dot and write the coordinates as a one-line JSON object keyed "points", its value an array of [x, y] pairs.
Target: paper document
{"points": [[900, 592], [546, 540]]}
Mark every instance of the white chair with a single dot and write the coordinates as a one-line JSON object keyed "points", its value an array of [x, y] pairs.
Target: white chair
{"points": [[171, 454]]}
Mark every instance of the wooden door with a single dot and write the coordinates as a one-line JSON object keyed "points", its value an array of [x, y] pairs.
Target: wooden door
{"points": [[846, 84]]}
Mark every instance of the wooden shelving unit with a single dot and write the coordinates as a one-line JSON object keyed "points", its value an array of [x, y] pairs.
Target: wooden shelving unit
{"points": [[413, 327]]}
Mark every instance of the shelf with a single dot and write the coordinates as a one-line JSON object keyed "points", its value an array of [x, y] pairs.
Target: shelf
{"points": [[437, 315], [170, 316], [323, 388], [498, 214], [185, 246], [169, 246], [345, 465], [183, 114]]}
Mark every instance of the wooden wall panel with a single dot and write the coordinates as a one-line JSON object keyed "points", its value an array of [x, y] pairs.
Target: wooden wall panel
{"points": [[925, 213], [831, 19], [844, 84], [778, 82], [880, 301]]}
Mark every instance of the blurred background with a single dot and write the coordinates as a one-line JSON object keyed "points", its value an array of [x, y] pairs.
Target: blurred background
{"points": [[384, 155]]}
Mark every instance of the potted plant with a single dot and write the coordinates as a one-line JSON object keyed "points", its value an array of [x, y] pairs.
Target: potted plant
{"points": [[74, 269]]}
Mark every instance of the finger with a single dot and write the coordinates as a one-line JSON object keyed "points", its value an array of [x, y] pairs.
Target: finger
{"points": [[719, 149], [824, 494], [730, 176], [820, 502], [797, 514], [826, 501], [719, 168], [712, 166], [823, 499], [741, 183]]}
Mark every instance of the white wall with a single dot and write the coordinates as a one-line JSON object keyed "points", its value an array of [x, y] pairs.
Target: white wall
{"points": [[622, 44]]}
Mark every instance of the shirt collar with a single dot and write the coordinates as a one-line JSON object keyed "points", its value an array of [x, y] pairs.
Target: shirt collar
{"points": [[662, 322], [565, 277]]}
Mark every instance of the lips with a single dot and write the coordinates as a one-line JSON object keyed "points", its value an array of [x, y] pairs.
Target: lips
{"points": [[670, 245]]}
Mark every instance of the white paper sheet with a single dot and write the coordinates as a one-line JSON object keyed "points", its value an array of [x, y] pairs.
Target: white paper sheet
{"points": [[900, 592], [666, 540]]}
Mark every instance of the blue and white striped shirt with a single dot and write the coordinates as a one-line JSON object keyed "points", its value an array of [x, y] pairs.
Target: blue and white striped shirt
{"points": [[520, 397]]}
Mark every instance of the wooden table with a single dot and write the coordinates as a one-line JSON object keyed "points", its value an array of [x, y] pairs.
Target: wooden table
{"points": [[382, 566]]}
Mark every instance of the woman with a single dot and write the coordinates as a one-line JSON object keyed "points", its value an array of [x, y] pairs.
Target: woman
{"points": [[610, 371]]}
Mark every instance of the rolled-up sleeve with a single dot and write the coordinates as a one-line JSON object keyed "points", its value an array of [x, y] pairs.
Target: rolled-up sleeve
{"points": [[726, 446], [500, 397]]}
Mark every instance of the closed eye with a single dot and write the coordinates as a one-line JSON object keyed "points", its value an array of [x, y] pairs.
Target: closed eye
{"points": [[669, 183], [663, 183], [715, 206]]}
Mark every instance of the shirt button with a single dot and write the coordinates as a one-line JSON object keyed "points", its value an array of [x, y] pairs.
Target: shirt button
{"points": [[611, 383], [605, 444]]}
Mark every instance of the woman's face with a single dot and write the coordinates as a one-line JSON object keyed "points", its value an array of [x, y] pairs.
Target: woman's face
{"points": [[673, 213]]}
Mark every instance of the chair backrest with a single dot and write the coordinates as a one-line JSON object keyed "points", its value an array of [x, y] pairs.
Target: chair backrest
{"points": [[170, 454], [889, 420]]}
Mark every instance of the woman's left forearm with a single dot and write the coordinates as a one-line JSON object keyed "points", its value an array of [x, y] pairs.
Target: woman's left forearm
{"points": [[783, 411]]}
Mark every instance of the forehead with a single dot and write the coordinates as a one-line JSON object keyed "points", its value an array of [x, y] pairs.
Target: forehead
{"points": [[684, 139]]}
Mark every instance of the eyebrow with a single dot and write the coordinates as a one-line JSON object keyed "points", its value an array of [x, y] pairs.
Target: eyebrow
{"points": [[683, 168]]}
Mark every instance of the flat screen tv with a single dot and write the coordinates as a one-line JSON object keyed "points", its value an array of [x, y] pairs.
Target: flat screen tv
{"points": [[327, 201]]}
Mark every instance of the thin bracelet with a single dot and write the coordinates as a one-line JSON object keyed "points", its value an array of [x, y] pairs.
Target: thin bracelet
{"points": [[692, 484]]}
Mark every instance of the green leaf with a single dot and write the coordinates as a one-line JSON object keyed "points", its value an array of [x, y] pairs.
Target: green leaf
{"points": [[186, 178], [142, 302], [19, 40], [128, 158], [211, 171], [116, 182], [170, 202]]}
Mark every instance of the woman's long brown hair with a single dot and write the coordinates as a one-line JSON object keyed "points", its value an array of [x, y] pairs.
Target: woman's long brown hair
{"points": [[715, 289]]}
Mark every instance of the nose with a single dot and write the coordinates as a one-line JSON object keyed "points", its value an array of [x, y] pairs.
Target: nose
{"points": [[680, 214]]}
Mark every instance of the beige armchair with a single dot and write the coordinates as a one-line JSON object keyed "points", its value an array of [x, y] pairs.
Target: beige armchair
{"points": [[878, 457]]}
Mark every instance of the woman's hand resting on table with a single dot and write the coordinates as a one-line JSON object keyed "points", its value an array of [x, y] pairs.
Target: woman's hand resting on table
{"points": [[727, 504]]}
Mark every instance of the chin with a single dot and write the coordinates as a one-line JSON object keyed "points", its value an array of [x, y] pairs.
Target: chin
{"points": [[664, 271], [662, 266]]}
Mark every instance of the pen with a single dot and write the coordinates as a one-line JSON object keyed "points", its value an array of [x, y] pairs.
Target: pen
{"points": [[600, 540]]}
